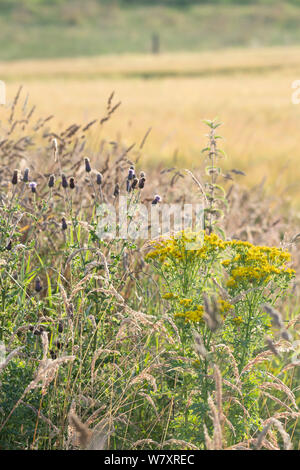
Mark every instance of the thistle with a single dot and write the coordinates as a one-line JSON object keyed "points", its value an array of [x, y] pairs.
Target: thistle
{"points": [[38, 285], [72, 183], [142, 182], [51, 181], [99, 179], [15, 177], [134, 183], [64, 181], [156, 199], [64, 225], [26, 175], [33, 186], [88, 168]]}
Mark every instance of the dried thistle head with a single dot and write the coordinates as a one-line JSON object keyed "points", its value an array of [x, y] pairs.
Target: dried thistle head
{"points": [[33, 186], [99, 179], [38, 285], [131, 174], [64, 225], [26, 175], [64, 181], [15, 178], [142, 182], [72, 183], [134, 183], [156, 199], [88, 168], [51, 181]]}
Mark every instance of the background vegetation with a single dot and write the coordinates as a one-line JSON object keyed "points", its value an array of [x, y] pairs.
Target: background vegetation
{"points": [[63, 28]]}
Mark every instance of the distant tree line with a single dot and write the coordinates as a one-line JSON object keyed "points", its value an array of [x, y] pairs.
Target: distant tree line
{"points": [[202, 2], [11, 3], [7, 5]]}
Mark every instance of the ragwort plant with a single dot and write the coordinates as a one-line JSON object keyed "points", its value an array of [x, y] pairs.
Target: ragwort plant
{"points": [[216, 291]]}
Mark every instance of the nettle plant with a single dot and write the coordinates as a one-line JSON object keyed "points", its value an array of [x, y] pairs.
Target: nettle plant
{"points": [[220, 293]]}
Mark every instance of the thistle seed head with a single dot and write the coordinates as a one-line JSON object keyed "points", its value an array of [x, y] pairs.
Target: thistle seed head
{"points": [[26, 175], [64, 181], [87, 165], [14, 179], [51, 181], [33, 186], [156, 199], [72, 183], [38, 285], [99, 178]]}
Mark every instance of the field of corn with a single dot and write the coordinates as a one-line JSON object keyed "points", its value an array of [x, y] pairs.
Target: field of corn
{"points": [[250, 90], [187, 340]]}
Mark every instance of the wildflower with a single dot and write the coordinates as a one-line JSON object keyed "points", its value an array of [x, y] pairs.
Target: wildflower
{"points": [[237, 320], [168, 296], [224, 306], [192, 315], [64, 181], [26, 175], [38, 285], [60, 327], [87, 165], [72, 183], [156, 199], [33, 186], [64, 225], [142, 182], [15, 177], [134, 183], [131, 174], [51, 181], [99, 179], [185, 302]]}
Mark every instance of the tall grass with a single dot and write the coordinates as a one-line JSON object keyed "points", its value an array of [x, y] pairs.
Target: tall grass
{"points": [[96, 354]]}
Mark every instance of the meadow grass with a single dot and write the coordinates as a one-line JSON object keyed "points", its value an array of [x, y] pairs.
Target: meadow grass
{"points": [[250, 90], [122, 343], [71, 29]]}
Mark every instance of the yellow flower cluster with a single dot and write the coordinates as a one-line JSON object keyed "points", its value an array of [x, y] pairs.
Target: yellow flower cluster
{"points": [[192, 315], [224, 306], [237, 320], [185, 302], [169, 296], [186, 245], [255, 264]]}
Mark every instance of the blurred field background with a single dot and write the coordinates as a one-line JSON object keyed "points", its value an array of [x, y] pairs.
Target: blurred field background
{"points": [[231, 60]]}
